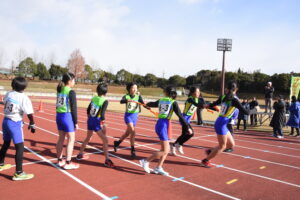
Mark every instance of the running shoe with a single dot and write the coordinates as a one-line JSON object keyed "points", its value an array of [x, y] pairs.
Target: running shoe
{"points": [[145, 164], [133, 155], [206, 164], [173, 150], [228, 150], [23, 176], [179, 148], [161, 171], [61, 163], [109, 163], [5, 166], [71, 165], [82, 157]]}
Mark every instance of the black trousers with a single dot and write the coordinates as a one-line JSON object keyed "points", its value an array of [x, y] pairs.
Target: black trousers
{"points": [[185, 136], [199, 116], [253, 119], [239, 122], [18, 157]]}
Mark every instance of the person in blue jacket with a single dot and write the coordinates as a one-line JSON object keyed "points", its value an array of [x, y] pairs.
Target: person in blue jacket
{"points": [[294, 118]]}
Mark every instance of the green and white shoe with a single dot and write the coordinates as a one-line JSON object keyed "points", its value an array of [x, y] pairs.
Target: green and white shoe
{"points": [[23, 176], [4, 167]]}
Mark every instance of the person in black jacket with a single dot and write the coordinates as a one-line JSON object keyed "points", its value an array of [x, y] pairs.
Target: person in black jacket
{"points": [[278, 119], [269, 90], [243, 116], [253, 109]]}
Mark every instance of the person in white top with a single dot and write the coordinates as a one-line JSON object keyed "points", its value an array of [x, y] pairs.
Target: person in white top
{"points": [[16, 103]]}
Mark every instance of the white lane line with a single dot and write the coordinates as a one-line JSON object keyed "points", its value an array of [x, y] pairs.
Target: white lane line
{"points": [[172, 177], [98, 193]]}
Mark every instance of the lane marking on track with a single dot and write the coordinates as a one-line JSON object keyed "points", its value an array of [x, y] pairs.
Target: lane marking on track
{"points": [[218, 166], [98, 193], [177, 179], [233, 154], [228, 168], [231, 181], [121, 117], [173, 177], [114, 197]]}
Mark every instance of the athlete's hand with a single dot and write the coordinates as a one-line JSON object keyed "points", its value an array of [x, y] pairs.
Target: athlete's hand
{"points": [[76, 126], [32, 128], [190, 131]]}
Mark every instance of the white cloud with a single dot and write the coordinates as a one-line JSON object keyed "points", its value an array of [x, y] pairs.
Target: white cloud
{"points": [[106, 37]]}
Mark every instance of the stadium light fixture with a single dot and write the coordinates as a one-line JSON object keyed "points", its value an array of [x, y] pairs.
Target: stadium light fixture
{"points": [[223, 45]]}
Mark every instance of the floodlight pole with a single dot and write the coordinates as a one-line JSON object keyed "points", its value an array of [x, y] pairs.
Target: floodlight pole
{"points": [[223, 74], [223, 45]]}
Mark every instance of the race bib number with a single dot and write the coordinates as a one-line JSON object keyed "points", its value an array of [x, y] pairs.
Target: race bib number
{"points": [[60, 101], [131, 106], [164, 108], [94, 110], [9, 107], [224, 108], [192, 109]]}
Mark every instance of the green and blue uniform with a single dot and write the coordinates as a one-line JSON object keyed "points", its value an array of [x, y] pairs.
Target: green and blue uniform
{"points": [[227, 111], [132, 109], [66, 110], [96, 113]]}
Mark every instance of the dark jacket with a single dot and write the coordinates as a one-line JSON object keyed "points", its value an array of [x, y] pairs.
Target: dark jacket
{"points": [[278, 119], [242, 115], [269, 92]]}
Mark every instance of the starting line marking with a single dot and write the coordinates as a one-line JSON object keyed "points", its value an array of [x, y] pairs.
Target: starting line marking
{"points": [[231, 181], [177, 179]]}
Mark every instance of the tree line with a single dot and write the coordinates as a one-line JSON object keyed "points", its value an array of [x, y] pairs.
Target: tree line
{"points": [[209, 80]]}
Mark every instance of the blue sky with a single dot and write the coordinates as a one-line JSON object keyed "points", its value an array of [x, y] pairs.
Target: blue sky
{"points": [[154, 36]]}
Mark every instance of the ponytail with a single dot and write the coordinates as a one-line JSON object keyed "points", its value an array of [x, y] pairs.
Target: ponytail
{"points": [[65, 79], [60, 86], [231, 88]]}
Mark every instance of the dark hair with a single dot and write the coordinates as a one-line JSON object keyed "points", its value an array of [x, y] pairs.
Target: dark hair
{"points": [[129, 85], [19, 84], [171, 92], [294, 99], [102, 89], [193, 90], [65, 79], [231, 87]]}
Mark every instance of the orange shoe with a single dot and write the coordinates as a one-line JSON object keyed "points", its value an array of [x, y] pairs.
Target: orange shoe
{"points": [[206, 164]]}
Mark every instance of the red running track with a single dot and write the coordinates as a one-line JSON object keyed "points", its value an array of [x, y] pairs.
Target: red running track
{"points": [[261, 167]]}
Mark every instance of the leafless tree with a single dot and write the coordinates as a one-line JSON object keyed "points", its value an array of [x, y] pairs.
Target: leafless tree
{"points": [[76, 64]]}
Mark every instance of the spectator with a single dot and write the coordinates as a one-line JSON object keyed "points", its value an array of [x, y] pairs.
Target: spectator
{"points": [[243, 116], [269, 90], [294, 118], [278, 119], [253, 110]]}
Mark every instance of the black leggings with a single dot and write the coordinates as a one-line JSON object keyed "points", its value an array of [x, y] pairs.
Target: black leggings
{"points": [[18, 157], [185, 136], [239, 122]]}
